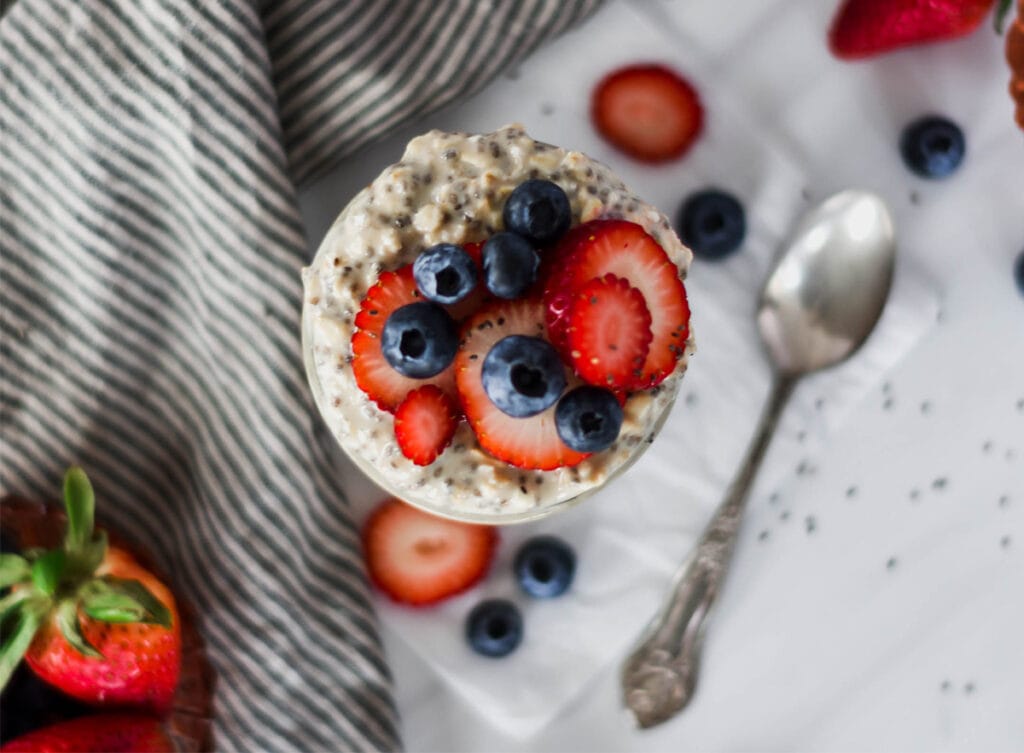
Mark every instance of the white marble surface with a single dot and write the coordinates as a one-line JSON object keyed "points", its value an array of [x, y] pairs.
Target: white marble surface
{"points": [[877, 598]]}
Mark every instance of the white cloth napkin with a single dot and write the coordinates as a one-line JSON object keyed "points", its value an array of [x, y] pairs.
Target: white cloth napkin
{"points": [[630, 537]]}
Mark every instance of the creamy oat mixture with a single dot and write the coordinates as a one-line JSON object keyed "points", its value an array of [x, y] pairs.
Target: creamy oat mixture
{"points": [[451, 187]]}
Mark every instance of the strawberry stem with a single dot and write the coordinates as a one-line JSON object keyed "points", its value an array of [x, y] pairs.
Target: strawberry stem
{"points": [[13, 569], [30, 616], [80, 503]]}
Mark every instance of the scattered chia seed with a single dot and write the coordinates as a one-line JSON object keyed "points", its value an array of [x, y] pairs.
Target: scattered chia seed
{"points": [[1005, 542], [946, 686], [887, 404], [987, 446], [447, 154], [940, 483], [691, 398], [811, 524], [773, 498], [926, 407], [1004, 500], [890, 564], [784, 515], [915, 198], [805, 194], [887, 387], [763, 536], [1010, 454], [801, 435], [968, 688], [851, 491], [1020, 405], [915, 493], [819, 403]]}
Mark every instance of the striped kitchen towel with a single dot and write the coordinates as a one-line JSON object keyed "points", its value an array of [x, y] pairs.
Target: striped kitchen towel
{"points": [[150, 296]]}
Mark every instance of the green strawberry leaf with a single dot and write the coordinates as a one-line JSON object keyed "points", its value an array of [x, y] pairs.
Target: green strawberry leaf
{"points": [[1001, 12], [119, 597], [71, 629], [11, 603], [80, 503], [13, 569], [92, 554], [16, 644], [47, 571]]}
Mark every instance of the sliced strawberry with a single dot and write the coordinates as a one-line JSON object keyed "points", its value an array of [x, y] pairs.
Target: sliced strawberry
{"points": [[374, 375], [392, 291], [418, 558], [551, 285], [425, 423], [648, 111], [378, 379], [531, 442], [623, 249], [609, 333]]}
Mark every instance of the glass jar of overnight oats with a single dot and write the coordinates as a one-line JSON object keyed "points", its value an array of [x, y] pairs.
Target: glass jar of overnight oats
{"points": [[451, 188]]}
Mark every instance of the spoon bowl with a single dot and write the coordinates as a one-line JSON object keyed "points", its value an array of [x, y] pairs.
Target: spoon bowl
{"points": [[819, 304], [828, 289]]}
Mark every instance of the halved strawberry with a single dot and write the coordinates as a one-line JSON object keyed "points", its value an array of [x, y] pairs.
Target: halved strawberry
{"points": [[623, 249], [531, 442], [379, 380], [391, 291], [374, 375], [609, 333], [648, 111], [418, 558], [425, 423], [550, 286]]}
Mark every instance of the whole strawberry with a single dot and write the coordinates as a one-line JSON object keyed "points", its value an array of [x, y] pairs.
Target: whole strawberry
{"points": [[104, 733], [87, 618], [864, 28]]}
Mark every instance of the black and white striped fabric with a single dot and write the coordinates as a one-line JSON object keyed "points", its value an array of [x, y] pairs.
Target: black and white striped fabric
{"points": [[151, 246]]}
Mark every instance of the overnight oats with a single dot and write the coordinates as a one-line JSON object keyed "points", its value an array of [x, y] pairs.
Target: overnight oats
{"points": [[496, 326]]}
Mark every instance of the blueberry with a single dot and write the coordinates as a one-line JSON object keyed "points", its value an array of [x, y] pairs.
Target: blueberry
{"points": [[445, 273], [510, 265], [539, 211], [933, 146], [588, 419], [494, 628], [419, 340], [1018, 272], [712, 223], [545, 566], [523, 375]]}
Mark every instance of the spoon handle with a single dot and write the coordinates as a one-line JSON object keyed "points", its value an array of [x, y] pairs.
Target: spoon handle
{"points": [[659, 677]]}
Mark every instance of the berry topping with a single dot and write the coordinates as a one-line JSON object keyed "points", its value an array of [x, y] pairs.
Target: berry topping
{"points": [[445, 273], [539, 211], [418, 558], [609, 333], [494, 628], [425, 423], [419, 340], [392, 291], [588, 418], [623, 249], [524, 442], [510, 265], [648, 111], [863, 28], [381, 383], [545, 566], [712, 223], [523, 375], [932, 146]]}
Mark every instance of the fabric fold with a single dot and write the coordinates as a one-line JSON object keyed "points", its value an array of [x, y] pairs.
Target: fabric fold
{"points": [[149, 306]]}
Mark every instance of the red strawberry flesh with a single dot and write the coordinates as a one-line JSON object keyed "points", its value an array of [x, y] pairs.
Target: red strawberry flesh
{"points": [[649, 112], [419, 559], [609, 333], [625, 250], [425, 423], [531, 442]]}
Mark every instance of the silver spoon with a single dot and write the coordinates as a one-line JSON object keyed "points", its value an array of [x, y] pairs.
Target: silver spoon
{"points": [[820, 302]]}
